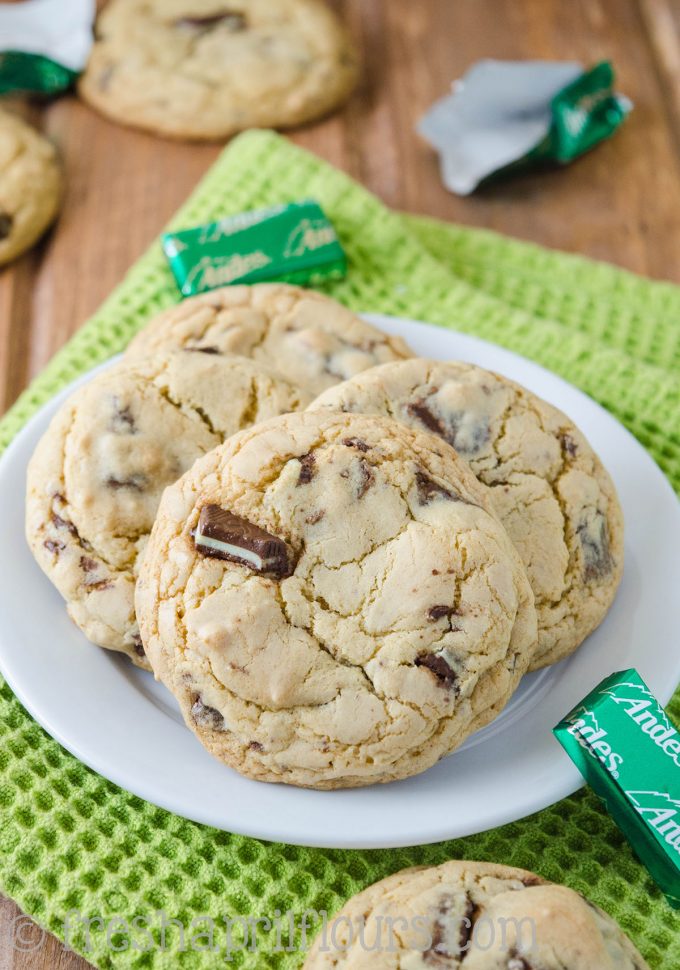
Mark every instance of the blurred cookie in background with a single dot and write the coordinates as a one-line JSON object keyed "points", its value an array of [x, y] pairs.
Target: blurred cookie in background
{"points": [[30, 186], [205, 69]]}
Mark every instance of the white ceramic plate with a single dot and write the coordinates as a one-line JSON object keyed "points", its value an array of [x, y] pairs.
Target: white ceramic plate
{"points": [[116, 719]]}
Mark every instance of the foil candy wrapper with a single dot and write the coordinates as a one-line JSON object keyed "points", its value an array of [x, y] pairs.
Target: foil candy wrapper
{"points": [[506, 116], [44, 44]]}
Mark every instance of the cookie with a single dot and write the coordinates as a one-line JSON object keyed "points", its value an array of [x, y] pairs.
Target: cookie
{"points": [[96, 478], [332, 602], [30, 186], [310, 339], [472, 915], [206, 69], [548, 486]]}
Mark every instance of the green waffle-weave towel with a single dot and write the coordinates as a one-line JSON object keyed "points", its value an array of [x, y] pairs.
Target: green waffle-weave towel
{"points": [[70, 840]]}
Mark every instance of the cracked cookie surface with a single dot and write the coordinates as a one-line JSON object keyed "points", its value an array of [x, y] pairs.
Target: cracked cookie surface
{"points": [[96, 478], [548, 486], [30, 186], [472, 916], [314, 341], [394, 617], [206, 69]]}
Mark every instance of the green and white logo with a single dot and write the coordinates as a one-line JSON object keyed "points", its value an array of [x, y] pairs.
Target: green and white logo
{"points": [[208, 272], [584, 727], [661, 812]]}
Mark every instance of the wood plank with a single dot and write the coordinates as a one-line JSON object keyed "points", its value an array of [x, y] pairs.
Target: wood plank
{"points": [[619, 203], [661, 19], [25, 946]]}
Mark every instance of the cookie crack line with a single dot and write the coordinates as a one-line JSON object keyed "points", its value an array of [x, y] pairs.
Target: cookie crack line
{"points": [[187, 408]]}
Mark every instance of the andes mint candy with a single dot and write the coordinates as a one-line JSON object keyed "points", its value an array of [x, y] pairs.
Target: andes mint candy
{"points": [[223, 535]]}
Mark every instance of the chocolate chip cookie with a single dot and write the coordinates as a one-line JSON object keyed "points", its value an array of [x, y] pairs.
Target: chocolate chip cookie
{"points": [[96, 478], [332, 601], [548, 486], [205, 69], [30, 186], [310, 339], [472, 916]]}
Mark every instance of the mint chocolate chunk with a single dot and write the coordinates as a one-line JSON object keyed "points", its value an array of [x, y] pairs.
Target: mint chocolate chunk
{"points": [[223, 535]]}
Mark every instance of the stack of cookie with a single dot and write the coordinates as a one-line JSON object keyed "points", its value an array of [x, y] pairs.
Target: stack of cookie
{"points": [[340, 558]]}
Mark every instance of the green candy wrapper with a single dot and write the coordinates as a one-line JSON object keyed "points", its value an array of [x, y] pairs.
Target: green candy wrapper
{"points": [[628, 751], [583, 114], [44, 44], [292, 243], [510, 116]]}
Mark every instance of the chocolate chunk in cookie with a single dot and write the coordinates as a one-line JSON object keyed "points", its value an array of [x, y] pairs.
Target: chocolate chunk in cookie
{"points": [[439, 610], [201, 350], [356, 443], [307, 468], [366, 478], [205, 716], [233, 20], [223, 535], [439, 667], [6, 223], [122, 420], [429, 490], [516, 962], [134, 483], [420, 410], [597, 559], [438, 953]]}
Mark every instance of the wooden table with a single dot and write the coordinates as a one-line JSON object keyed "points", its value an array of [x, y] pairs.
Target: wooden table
{"points": [[621, 203]]}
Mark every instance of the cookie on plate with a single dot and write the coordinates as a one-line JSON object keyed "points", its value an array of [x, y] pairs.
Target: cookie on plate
{"points": [[332, 602], [312, 340], [96, 478], [472, 916], [30, 186], [548, 486], [205, 69]]}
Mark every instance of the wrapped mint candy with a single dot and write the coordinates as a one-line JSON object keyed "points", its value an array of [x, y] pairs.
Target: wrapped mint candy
{"points": [[44, 44], [624, 745], [292, 243], [506, 116]]}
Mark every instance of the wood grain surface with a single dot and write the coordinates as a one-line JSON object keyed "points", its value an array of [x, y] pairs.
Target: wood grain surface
{"points": [[620, 203]]}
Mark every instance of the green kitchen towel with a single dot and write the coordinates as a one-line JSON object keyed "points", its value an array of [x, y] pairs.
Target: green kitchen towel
{"points": [[71, 842]]}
